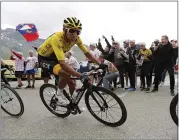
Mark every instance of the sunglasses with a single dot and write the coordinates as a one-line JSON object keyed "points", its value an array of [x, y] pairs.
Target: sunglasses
{"points": [[73, 31]]}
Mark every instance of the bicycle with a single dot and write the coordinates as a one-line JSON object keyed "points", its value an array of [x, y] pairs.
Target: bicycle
{"points": [[174, 108], [6, 96], [90, 91]]}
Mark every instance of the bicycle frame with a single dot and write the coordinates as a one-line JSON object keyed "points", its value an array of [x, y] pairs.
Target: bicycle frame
{"points": [[86, 88]]}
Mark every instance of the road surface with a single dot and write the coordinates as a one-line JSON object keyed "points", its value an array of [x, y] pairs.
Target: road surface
{"points": [[148, 118]]}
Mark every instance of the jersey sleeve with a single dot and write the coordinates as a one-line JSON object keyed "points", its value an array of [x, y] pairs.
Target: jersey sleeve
{"points": [[81, 46], [57, 46]]}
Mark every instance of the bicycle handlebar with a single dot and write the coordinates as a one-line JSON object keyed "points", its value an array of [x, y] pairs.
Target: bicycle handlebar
{"points": [[10, 70], [95, 71]]}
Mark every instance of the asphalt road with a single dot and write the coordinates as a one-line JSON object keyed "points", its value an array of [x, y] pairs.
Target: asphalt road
{"points": [[148, 118]]}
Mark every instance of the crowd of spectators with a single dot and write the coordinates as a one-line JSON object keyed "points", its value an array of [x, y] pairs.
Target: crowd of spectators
{"points": [[124, 61]]}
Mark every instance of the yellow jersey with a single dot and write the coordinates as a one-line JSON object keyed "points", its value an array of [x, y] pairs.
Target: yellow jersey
{"points": [[146, 53], [56, 44]]}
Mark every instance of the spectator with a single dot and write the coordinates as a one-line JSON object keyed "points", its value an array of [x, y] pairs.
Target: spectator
{"points": [[113, 72], [133, 52], [95, 53], [104, 52], [93, 50], [73, 61], [145, 67], [119, 57], [31, 64], [126, 62], [84, 66], [175, 50], [19, 66], [164, 59], [152, 68]]}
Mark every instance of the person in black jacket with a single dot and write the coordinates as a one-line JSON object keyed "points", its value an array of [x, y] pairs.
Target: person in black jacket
{"points": [[156, 43], [108, 53], [164, 59], [133, 52]]}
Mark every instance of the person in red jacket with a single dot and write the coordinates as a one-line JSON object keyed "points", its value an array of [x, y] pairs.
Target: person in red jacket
{"points": [[19, 66]]}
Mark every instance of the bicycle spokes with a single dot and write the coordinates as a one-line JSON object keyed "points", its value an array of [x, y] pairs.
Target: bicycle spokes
{"points": [[105, 107]]}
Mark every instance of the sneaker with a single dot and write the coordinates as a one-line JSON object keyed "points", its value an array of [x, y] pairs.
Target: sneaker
{"points": [[126, 87], [132, 89], [82, 109], [28, 86], [33, 86], [18, 87], [161, 84], [154, 90], [147, 89], [172, 93], [61, 97]]}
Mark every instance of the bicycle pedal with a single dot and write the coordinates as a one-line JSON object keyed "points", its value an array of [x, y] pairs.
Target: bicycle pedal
{"points": [[74, 112]]}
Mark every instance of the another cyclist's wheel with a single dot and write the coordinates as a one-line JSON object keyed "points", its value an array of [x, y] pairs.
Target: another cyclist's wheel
{"points": [[174, 109], [47, 95], [11, 102], [105, 106]]}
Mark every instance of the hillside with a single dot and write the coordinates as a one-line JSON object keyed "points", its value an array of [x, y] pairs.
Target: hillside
{"points": [[11, 39]]}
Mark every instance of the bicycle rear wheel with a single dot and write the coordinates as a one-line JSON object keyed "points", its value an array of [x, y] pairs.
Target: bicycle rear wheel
{"points": [[52, 104], [8, 95], [173, 109], [100, 99]]}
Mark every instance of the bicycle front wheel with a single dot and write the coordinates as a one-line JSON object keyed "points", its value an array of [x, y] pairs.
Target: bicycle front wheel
{"points": [[106, 107], [10, 100], [173, 109]]}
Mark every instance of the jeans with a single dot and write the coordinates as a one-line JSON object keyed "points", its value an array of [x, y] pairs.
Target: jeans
{"points": [[109, 77]]}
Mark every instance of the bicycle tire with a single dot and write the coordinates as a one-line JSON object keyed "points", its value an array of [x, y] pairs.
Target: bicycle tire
{"points": [[119, 101], [173, 107], [67, 113], [19, 99]]}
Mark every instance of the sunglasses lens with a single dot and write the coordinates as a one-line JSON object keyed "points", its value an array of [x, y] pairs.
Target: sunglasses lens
{"points": [[72, 31]]}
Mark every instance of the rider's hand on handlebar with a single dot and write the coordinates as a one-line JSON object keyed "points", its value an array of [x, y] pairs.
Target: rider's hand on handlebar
{"points": [[84, 77]]}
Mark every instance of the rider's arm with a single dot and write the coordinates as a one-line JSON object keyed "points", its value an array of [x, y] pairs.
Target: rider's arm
{"points": [[57, 47], [86, 52]]}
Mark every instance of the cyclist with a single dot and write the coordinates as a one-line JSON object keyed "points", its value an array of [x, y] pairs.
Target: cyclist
{"points": [[52, 52]]}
